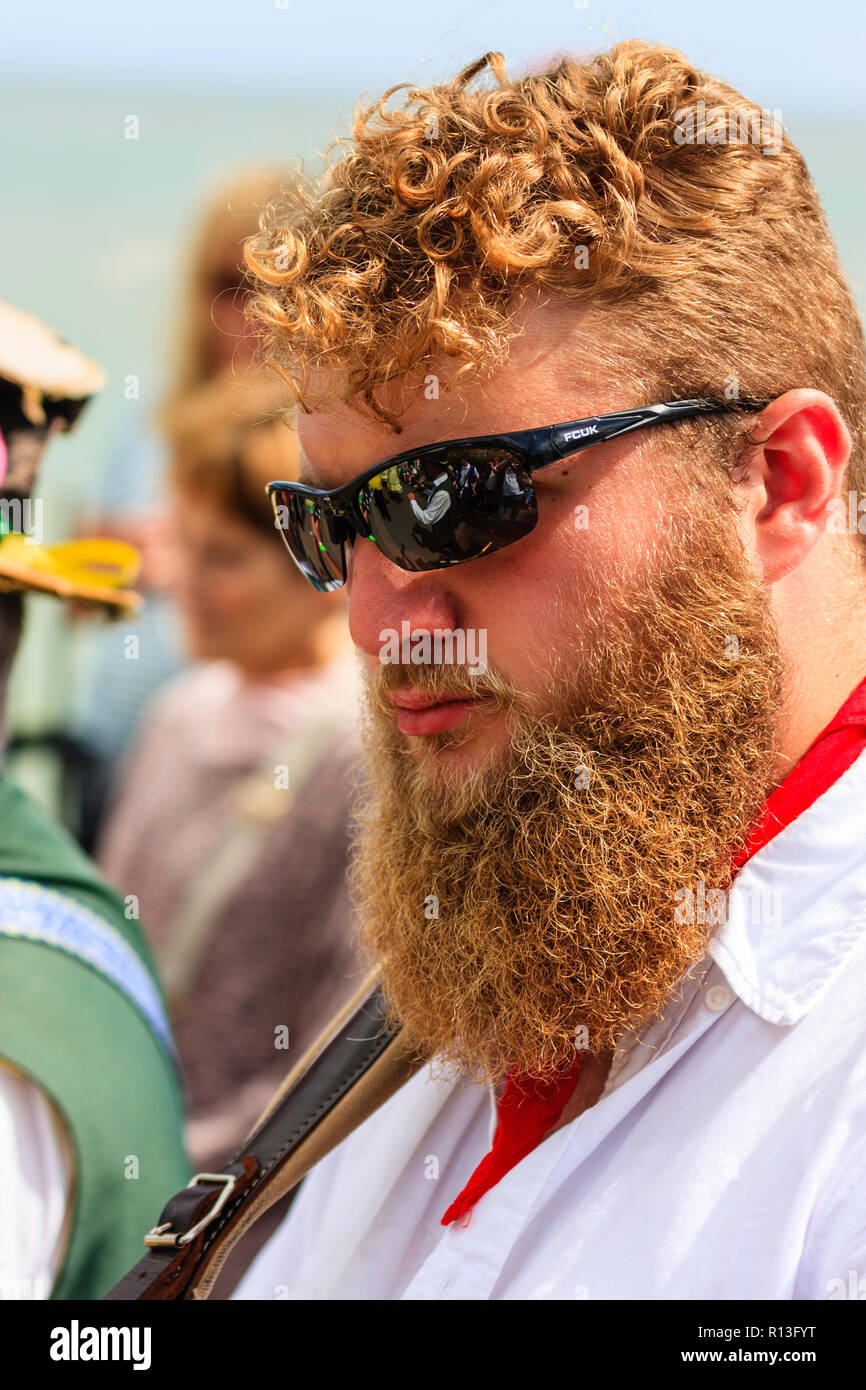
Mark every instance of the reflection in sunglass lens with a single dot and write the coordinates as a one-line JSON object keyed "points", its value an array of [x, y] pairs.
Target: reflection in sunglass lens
{"points": [[313, 537], [448, 507]]}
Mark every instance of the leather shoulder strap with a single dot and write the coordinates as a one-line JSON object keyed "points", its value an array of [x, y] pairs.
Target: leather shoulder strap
{"points": [[353, 1068]]}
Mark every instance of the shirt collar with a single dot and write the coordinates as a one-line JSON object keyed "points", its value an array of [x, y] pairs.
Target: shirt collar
{"points": [[796, 912]]}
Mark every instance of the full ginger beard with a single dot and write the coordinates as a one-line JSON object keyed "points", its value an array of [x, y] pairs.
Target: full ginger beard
{"points": [[537, 895]]}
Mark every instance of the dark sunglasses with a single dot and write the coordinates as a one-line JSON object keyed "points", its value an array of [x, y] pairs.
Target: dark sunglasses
{"points": [[448, 503]]}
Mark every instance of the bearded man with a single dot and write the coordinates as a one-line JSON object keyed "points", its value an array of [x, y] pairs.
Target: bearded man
{"points": [[613, 880]]}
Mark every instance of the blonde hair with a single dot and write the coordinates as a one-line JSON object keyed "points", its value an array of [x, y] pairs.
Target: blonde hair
{"points": [[231, 437], [572, 180], [231, 214]]}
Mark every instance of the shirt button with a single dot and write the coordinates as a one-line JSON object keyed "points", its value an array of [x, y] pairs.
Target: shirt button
{"points": [[718, 998]]}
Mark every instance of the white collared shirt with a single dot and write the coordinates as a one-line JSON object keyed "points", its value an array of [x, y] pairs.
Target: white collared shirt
{"points": [[37, 1176], [726, 1157]]}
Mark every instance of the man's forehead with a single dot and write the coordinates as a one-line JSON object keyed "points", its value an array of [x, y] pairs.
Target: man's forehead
{"points": [[338, 444], [543, 382], [336, 447]]}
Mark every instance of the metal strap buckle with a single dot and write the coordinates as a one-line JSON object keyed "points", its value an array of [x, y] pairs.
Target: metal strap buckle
{"points": [[158, 1237]]}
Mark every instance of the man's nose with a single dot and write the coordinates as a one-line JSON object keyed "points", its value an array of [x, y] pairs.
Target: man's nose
{"points": [[382, 596]]}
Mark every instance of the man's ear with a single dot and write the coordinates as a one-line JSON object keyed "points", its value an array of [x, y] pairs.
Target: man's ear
{"points": [[793, 474]]}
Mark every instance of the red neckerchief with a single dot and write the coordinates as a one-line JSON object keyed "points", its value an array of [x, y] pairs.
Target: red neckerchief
{"points": [[529, 1108]]}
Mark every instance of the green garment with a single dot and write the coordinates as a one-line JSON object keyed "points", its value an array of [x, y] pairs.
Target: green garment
{"points": [[92, 1036]]}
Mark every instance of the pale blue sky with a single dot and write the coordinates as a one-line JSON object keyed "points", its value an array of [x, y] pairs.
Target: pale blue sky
{"points": [[794, 54]]}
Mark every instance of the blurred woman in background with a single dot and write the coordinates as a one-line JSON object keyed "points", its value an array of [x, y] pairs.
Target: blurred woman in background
{"points": [[210, 338], [212, 334], [230, 827]]}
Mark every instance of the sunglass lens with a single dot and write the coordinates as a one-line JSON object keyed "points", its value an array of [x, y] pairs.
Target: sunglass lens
{"points": [[313, 538], [443, 509]]}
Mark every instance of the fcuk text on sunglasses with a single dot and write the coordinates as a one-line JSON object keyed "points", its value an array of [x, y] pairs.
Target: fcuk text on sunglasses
{"points": [[448, 503]]}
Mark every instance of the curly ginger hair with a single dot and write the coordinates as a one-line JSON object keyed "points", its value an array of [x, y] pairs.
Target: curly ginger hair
{"points": [[572, 181]]}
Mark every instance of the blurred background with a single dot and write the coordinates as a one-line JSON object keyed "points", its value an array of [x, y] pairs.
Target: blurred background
{"points": [[205, 750]]}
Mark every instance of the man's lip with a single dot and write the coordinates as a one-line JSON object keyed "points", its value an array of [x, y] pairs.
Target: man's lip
{"points": [[416, 699], [417, 714]]}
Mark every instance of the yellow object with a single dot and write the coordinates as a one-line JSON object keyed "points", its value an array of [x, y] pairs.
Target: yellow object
{"points": [[97, 570]]}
